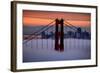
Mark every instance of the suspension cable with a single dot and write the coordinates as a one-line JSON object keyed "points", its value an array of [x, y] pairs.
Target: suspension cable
{"points": [[37, 34], [70, 27], [71, 24], [41, 30]]}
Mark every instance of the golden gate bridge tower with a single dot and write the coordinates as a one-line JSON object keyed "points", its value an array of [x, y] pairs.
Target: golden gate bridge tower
{"points": [[59, 35]]}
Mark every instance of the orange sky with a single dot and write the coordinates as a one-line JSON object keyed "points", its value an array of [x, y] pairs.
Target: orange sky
{"points": [[34, 18]]}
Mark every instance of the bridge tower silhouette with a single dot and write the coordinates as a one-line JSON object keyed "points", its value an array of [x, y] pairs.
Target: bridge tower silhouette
{"points": [[59, 35]]}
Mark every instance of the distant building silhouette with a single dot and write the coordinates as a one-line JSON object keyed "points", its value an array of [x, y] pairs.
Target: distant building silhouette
{"points": [[78, 34], [43, 34], [70, 34]]}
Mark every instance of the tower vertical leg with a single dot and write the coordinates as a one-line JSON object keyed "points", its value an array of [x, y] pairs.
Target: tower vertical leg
{"points": [[56, 35], [62, 36]]}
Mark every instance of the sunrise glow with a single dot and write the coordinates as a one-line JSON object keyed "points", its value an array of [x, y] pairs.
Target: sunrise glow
{"points": [[37, 18]]}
